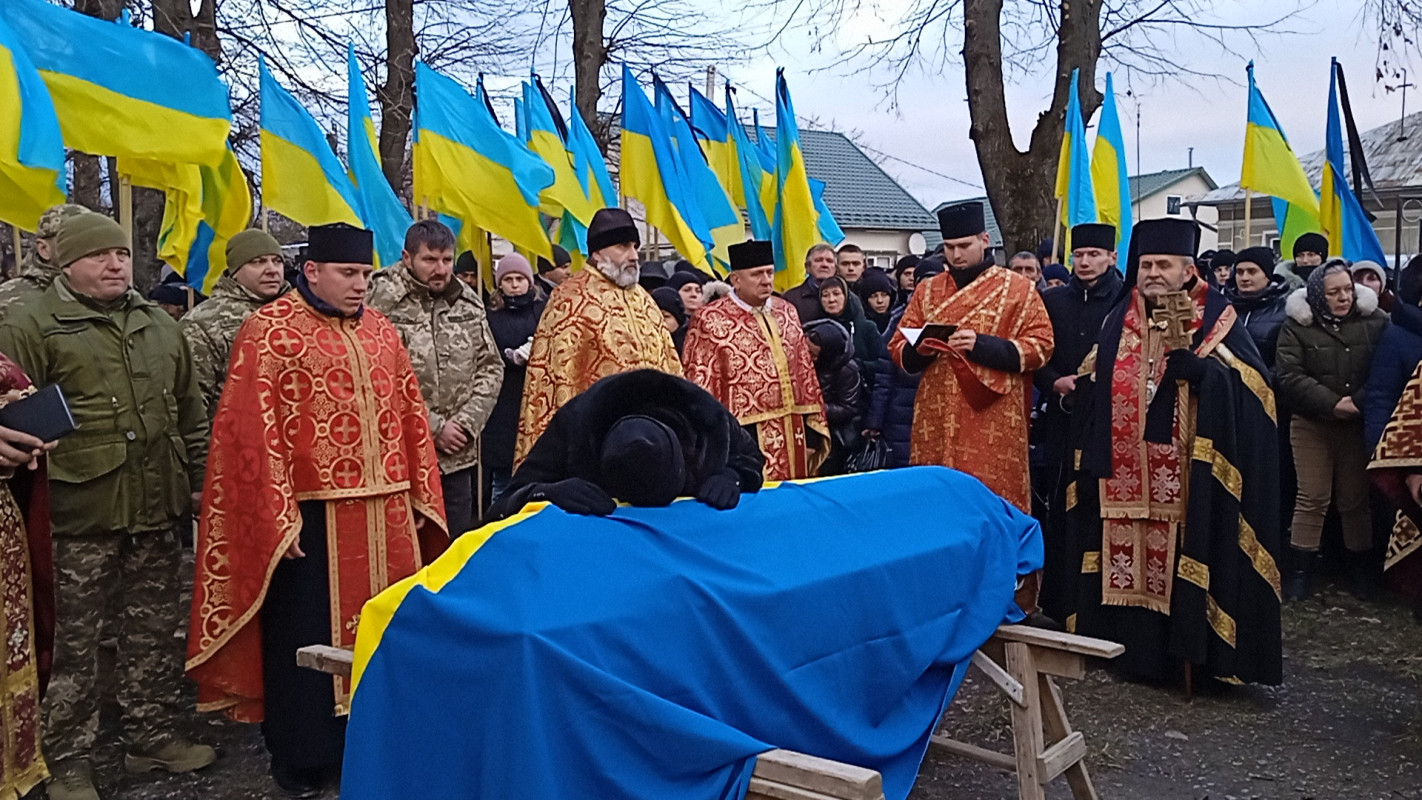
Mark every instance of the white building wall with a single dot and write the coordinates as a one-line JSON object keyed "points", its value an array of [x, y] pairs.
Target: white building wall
{"points": [[1159, 204]]}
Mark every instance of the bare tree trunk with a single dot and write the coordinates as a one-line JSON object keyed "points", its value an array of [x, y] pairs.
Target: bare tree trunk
{"points": [[1020, 185], [589, 55], [397, 96]]}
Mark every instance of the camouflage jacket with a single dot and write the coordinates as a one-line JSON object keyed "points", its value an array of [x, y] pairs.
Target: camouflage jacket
{"points": [[28, 284], [451, 349], [141, 445], [210, 330]]}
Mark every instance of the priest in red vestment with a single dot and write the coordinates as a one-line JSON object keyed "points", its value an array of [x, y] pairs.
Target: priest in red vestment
{"points": [[976, 332], [322, 489], [748, 351]]}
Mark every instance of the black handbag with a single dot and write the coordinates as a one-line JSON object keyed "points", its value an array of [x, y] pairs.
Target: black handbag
{"points": [[871, 454]]}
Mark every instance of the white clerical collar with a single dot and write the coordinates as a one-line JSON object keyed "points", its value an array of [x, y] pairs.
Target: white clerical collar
{"points": [[735, 298]]}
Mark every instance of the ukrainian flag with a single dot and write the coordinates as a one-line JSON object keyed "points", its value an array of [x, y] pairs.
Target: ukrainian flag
{"points": [[652, 173], [765, 151], [588, 162], [828, 226], [752, 175], [795, 228], [378, 205], [1270, 167], [713, 132], [1350, 233], [468, 167], [301, 178], [547, 138], [1074, 169], [707, 192], [1109, 178], [32, 167], [124, 91]]}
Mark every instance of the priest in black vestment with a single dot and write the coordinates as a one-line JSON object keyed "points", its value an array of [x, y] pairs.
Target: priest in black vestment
{"points": [[1174, 508]]}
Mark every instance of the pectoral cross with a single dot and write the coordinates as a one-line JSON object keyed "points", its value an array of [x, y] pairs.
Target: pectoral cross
{"points": [[1171, 320]]}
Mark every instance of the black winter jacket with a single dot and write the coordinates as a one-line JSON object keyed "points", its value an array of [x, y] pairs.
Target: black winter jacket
{"points": [[891, 402], [1263, 315], [1396, 356], [511, 325], [1077, 312]]}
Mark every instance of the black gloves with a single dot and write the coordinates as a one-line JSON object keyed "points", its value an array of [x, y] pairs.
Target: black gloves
{"points": [[721, 492], [576, 496], [1184, 365]]}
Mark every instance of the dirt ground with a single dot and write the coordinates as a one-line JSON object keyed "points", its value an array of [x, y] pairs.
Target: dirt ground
{"points": [[1346, 725]]}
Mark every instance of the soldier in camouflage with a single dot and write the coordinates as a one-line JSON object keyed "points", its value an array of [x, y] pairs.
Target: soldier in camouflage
{"points": [[254, 277], [38, 269], [119, 487], [442, 322]]}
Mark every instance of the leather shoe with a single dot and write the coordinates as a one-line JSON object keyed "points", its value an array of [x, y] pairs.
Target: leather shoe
{"points": [[296, 783]]}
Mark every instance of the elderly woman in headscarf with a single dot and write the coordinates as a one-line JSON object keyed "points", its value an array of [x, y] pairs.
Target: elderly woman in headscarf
{"points": [[1325, 350]]}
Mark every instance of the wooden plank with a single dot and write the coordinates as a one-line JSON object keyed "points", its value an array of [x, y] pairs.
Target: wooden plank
{"points": [[954, 747], [999, 676], [820, 777], [1026, 722], [1060, 663], [1056, 725], [769, 790], [1061, 755], [1056, 640], [325, 658]]}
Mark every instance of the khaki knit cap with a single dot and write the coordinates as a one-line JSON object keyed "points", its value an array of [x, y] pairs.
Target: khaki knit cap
{"points": [[54, 215], [86, 234], [250, 245]]}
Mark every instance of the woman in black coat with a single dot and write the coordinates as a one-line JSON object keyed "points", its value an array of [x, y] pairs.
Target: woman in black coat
{"points": [[842, 387], [514, 310]]}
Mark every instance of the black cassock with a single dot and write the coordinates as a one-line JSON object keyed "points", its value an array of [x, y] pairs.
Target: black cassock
{"points": [[1231, 629]]}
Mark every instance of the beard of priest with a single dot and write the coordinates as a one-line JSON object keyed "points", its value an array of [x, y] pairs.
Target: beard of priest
{"points": [[1174, 508], [323, 489], [599, 322], [748, 351], [970, 413]]}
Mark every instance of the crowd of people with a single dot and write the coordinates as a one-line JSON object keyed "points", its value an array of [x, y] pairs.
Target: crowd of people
{"points": [[1189, 428]]}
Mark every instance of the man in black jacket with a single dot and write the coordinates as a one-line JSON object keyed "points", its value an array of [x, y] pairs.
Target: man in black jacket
{"points": [[1076, 310], [643, 437]]}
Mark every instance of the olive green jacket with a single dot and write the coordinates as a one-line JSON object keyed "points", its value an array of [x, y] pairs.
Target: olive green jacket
{"points": [[126, 372]]}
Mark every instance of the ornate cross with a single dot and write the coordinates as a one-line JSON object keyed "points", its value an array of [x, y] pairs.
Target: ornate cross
{"points": [[1174, 317]]}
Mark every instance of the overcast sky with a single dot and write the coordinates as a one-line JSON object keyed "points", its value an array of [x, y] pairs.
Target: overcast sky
{"points": [[931, 128]]}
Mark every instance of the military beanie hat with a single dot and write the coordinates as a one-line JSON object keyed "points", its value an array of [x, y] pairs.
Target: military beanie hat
{"points": [[86, 234], [250, 245], [53, 216]]}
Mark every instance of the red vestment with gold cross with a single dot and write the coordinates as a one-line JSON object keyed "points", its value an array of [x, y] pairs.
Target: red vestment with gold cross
{"points": [[316, 408], [758, 365], [968, 416]]}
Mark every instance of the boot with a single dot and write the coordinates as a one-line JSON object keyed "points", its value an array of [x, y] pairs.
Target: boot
{"points": [[295, 783], [1362, 575], [72, 779], [175, 756], [1298, 580]]}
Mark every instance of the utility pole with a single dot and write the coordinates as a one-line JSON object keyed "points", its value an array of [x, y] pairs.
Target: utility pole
{"points": [[711, 81], [1401, 126], [1191, 158]]}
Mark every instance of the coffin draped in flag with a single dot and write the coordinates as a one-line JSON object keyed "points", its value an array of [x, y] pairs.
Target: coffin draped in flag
{"points": [[655, 652]]}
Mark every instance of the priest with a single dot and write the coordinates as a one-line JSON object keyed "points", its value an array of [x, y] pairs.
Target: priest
{"points": [[748, 351], [322, 489], [600, 322], [1175, 518], [976, 332]]}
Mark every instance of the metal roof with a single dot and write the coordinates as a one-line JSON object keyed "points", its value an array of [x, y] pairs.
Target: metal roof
{"points": [[1394, 163]]}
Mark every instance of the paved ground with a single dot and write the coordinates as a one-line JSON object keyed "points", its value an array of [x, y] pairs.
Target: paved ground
{"points": [[1347, 725]]}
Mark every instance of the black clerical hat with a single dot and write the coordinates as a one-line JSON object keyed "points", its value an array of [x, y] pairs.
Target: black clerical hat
{"points": [[961, 220], [1165, 237], [339, 243], [1094, 234], [612, 226], [751, 254]]}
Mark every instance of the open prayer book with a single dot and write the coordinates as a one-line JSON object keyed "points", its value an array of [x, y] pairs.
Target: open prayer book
{"points": [[939, 332]]}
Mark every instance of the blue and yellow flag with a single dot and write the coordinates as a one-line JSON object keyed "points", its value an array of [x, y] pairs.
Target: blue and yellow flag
{"points": [[765, 151], [1074, 169], [32, 169], [123, 91], [468, 167], [795, 226], [652, 173], [829, 227], [753, 176], [301, 178], [588, 162], [707, 192], [547, 138], [1270, 167], [1350, 233], [713, 132], [1109, 178], [379, 206]]}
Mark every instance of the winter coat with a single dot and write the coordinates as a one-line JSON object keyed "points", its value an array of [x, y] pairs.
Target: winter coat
{"points": [[1319, 363], [868, 349], [806, 300], [1076, 311], [1263, 315], [1394, 359], [842, 386], [126, 372], [891, 403], [512, 326]]}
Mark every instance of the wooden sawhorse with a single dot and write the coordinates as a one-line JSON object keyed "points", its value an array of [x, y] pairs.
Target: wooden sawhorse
{"points": [[778, 775], [1021, 662]]}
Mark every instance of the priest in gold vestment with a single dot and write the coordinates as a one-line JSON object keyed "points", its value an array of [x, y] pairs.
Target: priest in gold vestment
{"points": [[597, 323], [749, 352], [984, 331]]}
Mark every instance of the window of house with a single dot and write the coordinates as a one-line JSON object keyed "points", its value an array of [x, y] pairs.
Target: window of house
{"points": [[1172, 204]]}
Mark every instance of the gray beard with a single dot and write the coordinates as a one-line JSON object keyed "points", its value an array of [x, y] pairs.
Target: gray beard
{"points": [[624, 276]]}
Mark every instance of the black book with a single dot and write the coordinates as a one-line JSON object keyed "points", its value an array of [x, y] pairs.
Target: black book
{"points": [[43, 415]]}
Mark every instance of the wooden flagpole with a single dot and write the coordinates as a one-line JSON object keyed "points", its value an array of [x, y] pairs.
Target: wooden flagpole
{"points": [[15, 231], [1248, 216], [1057, 242], [126, 206]]}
